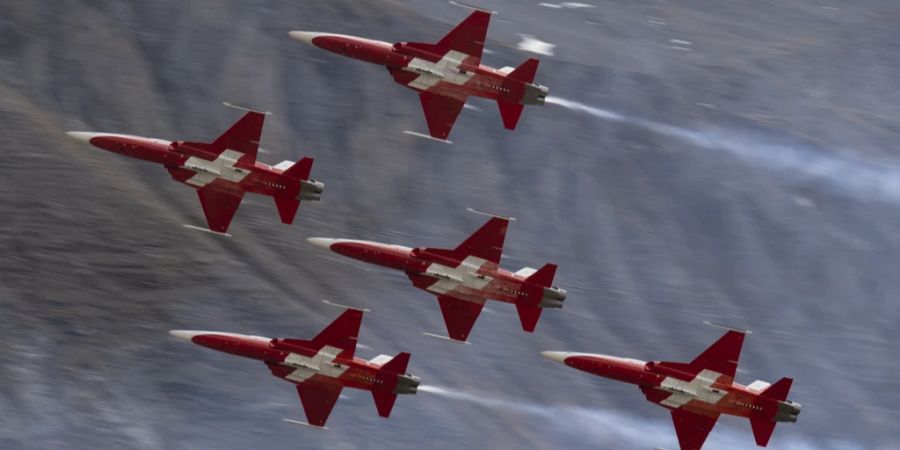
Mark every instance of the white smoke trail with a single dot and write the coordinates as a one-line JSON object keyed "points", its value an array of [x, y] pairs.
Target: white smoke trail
{"points": [[607, 429], [855, 176]]}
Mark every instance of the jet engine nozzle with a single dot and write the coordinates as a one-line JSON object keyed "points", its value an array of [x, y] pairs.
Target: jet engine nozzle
{"points": [[553, 297], [407, 384], [311, 189], [788, 411], [535, 94]]}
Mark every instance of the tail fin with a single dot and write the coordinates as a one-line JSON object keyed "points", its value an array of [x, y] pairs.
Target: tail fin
{"points": [[779, 391], [242, 137], [511, 112], [773, 408], [544, 276], [397, 365], [342, 333], [385, 391], [300, 170], [531, 306], [467, 37], [293, 176], [525, 72]]}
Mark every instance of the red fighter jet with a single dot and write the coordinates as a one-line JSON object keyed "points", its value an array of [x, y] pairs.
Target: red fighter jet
{"points": [[221, 171], [697, 393], [321, 367], [446, 73], [465, 277]]}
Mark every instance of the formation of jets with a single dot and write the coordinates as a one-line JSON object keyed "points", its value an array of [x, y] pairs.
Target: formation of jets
{"points": [[463, 278]]}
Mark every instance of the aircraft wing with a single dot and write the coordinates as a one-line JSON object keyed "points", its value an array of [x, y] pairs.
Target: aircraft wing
{"points": [[459, 315], [219, 206], [242, 138], [441, 112], [318, 398], [692, 429]]}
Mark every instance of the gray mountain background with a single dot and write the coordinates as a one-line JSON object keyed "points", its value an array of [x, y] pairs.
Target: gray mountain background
{"points": [[700, 160]]}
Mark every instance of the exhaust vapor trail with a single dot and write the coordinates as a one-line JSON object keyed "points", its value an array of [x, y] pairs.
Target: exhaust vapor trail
{"points": [[609, 429], [858, 177]]}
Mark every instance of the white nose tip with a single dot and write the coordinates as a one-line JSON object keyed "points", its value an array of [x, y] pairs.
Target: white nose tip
{"points": [[559, 357], [83, 136], [322, 242], [185, 335], [305, 36]]}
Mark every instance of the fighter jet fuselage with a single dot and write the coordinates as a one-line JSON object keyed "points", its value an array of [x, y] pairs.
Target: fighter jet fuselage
{"points": [[195, 167], [697, 393], [446, 73], [413, 65], [471, 278], [705, 393], [321, 367], [465, 277], [221, 171]]}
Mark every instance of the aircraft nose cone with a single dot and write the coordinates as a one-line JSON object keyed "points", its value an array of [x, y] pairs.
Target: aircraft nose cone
{"points": [[83, 136], [185, 335], [559, 357], [322, 242], [305, 36]]}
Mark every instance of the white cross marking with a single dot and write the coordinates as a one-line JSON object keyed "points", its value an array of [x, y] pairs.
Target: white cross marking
{"points": [[322, 363], [700, 388], [466, 275], [222, 167], [447, 69]]}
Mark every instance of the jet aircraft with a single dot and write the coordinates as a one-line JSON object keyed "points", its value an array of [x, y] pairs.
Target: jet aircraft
{"points": [[698, 392], [465, 277], [444, 74], [320, 368], [221, 171]]}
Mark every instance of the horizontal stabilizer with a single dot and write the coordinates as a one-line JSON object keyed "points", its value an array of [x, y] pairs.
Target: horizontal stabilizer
{"points": [[758, 385], [284, 165], [380, 360], [526, 272]]}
